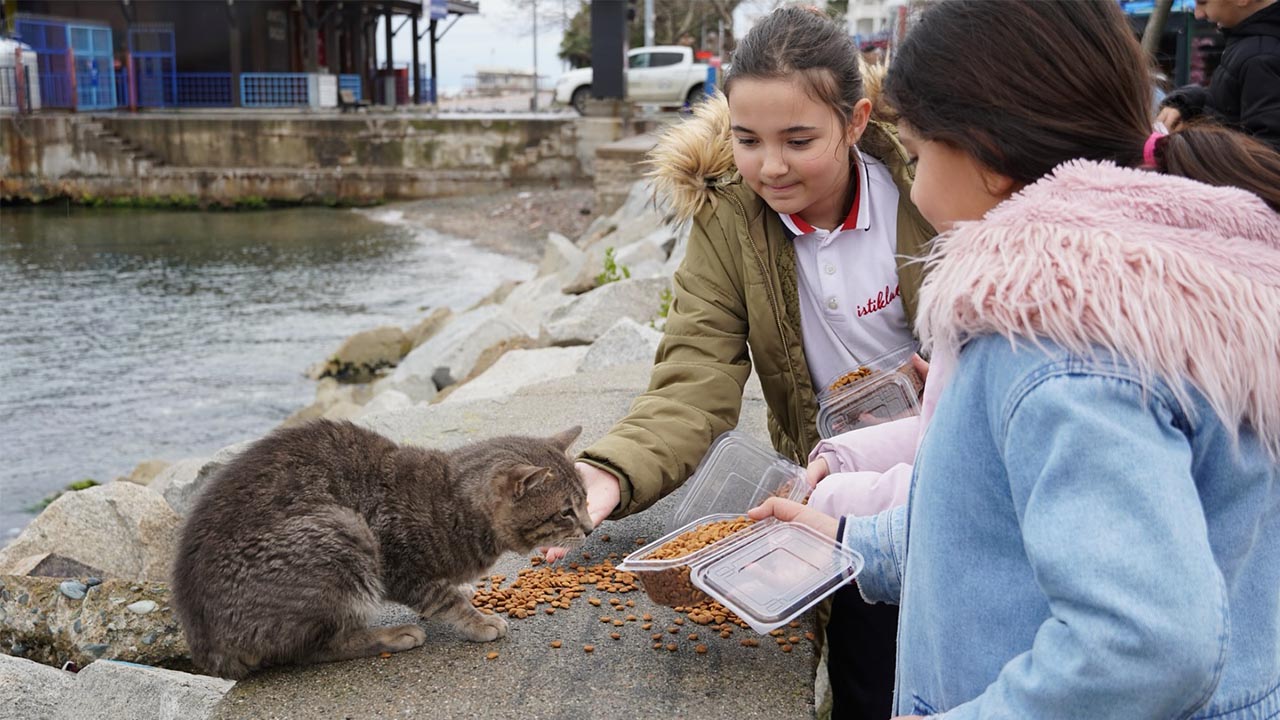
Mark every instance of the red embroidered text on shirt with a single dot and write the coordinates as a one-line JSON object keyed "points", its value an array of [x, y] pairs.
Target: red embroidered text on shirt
{"points": [[881, 301]]}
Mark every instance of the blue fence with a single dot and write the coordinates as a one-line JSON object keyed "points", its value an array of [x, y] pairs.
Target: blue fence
{"points": [[274, 90], [352, 83], [204, 89], [199, 89]]}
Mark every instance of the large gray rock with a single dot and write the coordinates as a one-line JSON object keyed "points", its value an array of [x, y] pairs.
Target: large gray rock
{"points": [[330, 392], [588, 317], [497, 295], [181, 482], [389, 401], [429, 326], [456, 347], [561, 258], [110, 690], [127, 530], [626, 342], [362, 355], [31, 691], [55, 620], [589, 270], [146, 471], [643, 258], [532, 302], [520, 368]]}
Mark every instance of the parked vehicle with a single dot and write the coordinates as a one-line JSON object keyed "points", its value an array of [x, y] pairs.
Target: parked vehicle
{"points": [[660, 75]]}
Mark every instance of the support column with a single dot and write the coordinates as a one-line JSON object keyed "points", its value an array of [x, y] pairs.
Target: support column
{"points": [[414, 72], [233, 49], [435, 100]]}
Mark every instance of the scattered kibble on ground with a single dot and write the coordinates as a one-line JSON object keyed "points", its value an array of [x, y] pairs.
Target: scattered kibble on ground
{"points": [[548, 587]]}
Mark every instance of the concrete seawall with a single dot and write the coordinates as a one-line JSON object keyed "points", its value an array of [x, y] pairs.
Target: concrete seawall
{"points": [[224, 158]]}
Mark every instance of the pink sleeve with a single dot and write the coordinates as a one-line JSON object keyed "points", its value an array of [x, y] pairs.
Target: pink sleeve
{"points": [[875, 448], [862, 493]]}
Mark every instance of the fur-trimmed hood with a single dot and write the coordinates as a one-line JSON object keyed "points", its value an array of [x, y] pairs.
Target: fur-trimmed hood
{"points": [[693, 159], [1180, 279]]}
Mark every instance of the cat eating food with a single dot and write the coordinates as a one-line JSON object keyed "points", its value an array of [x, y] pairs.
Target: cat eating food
{"points": [[292, 547]]}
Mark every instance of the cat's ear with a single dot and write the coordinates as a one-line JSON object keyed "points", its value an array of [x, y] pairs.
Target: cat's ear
{"points": [[525, 478], [565, 439]]}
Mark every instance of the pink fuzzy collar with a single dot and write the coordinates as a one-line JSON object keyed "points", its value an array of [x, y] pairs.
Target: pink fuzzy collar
{"points": [[1180, 278]]}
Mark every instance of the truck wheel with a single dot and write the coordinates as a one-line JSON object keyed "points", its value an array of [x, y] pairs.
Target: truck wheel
{"points": [[579, 99], [696, 95]]}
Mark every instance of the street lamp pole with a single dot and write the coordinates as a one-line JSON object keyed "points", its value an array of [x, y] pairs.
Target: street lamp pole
{"points": [[533, 104]]}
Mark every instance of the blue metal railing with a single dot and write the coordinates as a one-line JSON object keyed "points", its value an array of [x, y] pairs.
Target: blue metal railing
{"points": [[55, 90], [352, 83], [197, 89], [204, 89], [274, 90]]}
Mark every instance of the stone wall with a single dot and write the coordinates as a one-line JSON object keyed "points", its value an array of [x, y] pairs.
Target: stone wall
{"points": [[223, 157]]}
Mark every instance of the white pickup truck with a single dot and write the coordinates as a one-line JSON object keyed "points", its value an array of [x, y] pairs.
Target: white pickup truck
{"points": [[657, 75]]}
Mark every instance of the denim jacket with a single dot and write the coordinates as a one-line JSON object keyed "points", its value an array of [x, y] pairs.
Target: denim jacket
{"points": [[1093, 524]]}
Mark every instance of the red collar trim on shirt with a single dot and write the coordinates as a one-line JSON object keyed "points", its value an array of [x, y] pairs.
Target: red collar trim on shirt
{"points": [[850, 220]]}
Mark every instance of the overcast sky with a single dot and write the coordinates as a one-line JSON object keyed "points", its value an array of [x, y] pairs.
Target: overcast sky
{"points": [[499, 35]]}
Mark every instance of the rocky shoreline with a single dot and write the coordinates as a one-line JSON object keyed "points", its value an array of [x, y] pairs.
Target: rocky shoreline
{"points": [[85, 582]]}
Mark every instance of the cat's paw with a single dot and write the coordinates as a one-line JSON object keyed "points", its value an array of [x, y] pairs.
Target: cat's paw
{"points": [[401, 638], [468, 590], [486, 628]]}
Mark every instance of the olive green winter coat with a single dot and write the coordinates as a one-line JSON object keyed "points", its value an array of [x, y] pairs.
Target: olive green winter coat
{"points": [[735, 304]]}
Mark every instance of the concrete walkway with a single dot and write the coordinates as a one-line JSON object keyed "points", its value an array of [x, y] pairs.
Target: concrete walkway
{"points": [[626, 678]]}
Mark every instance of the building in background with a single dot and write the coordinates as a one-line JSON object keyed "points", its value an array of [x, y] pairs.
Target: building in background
{"points": [[99, 54]]}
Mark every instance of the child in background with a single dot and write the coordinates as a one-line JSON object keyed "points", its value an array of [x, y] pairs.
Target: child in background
{"points": [[1093, 524]]}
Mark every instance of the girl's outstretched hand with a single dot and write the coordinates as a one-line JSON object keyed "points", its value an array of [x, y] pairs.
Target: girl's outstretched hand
{"points": [[792, 511]]}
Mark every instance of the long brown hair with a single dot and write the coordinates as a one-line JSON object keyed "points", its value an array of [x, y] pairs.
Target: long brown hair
{"points": [[1068, 80]]}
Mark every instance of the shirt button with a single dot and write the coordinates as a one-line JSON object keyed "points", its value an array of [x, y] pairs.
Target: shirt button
{"points": [[833, 303], [831, 269]]}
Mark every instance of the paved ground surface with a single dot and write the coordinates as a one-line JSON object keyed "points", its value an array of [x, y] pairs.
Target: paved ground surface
{"points": [[450, 677]]}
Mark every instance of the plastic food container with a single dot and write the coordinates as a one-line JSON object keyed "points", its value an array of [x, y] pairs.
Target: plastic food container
{"points": [[667, 581], [777, 573], [887, 388], [735, 475], [767, 573]]}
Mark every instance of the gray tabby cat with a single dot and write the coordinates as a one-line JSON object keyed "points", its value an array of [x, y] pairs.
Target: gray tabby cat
{"points": [[293, 545]]}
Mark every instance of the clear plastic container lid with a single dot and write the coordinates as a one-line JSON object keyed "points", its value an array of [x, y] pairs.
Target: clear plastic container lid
{"points": [[887, 388], [737, 474], [776, 574]]}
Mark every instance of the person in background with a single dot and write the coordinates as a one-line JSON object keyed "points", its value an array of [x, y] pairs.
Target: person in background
{"points": [[1245, 89], [800, 211], [1092, 529]]}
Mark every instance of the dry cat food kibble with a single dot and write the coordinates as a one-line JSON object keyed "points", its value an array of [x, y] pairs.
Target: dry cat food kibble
{"points": [[491, 656], [671, 586], [550, 588], [849, 378]]}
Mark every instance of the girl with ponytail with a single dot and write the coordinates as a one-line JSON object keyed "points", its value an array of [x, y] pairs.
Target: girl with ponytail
{"points": [[1092, 527]]}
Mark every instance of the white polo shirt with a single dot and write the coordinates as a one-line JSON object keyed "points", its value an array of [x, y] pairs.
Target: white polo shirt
{"points": [[847, 278]]}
